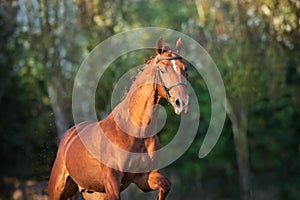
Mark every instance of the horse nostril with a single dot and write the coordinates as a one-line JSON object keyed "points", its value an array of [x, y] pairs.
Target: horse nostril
{"points": [[177, 102]]}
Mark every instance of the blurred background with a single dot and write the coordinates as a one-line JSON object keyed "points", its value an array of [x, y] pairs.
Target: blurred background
{"points": [[255, 44]]}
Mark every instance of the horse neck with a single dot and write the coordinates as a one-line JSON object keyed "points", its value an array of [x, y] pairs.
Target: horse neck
{"points": [[142, 98], [137, 113]]}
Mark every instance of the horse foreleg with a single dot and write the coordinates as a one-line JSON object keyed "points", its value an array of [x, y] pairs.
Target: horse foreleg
{"points": [[158, 181], [154, 181]]}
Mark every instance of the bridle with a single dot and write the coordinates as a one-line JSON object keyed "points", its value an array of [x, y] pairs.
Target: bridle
{"points": [[157, 74]]}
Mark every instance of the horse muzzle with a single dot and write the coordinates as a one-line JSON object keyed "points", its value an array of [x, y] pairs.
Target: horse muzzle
{"points": [[180, 105]]}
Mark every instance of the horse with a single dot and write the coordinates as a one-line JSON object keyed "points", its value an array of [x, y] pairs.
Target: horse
{"points": [[95, 158]]}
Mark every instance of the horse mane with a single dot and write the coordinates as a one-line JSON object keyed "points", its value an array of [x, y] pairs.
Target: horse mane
{"points": [[133, 78]]}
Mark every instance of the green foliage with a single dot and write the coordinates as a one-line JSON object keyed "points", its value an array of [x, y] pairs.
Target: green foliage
{"points": [[26, 128], [274, 140], [255, 45]]}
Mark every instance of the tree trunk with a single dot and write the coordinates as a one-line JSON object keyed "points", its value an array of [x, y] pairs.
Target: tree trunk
{"points": [[238, 118], [55, 91]]}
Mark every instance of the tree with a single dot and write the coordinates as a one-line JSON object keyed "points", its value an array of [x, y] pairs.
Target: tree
{"points": [[8, 42], [255, 44], [239, 37], [57, 36], [53, 49]]}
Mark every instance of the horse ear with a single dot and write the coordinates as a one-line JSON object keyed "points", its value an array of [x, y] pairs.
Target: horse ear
{"points": [[160, 46], [178, 45]]}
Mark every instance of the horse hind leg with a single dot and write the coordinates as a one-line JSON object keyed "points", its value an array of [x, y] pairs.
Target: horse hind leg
{"points": [[61, 186], [71, 190], [94, 196], [65, 190]]}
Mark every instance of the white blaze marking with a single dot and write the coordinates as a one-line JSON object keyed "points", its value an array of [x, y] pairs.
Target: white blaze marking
{"points": [[174, 65]]}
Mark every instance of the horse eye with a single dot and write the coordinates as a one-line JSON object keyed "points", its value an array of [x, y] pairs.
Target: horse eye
{"points": [[187, 76], [163, 70]]}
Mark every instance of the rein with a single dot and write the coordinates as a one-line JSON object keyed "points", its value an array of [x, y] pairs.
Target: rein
{"points": [[157, 74]]}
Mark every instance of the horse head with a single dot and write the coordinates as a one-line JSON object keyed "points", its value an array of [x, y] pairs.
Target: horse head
{"points": [[170, 79]]}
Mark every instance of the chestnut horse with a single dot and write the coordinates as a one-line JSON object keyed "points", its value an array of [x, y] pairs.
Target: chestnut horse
{"points": [[86, 163]]}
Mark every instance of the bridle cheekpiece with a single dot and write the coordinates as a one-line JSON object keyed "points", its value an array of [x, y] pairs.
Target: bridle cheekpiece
{"points": [[158, 75]]}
